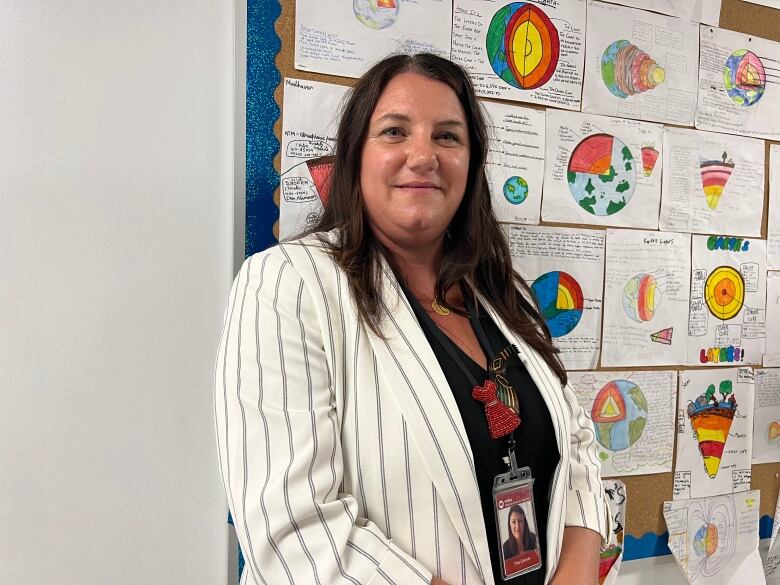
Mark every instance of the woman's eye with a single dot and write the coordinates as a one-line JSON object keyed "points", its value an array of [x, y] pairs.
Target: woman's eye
{"points": [[449, 137], [393, 132]]}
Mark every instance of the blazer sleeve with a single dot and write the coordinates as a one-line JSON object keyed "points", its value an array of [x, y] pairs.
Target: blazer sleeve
{"points": [[279, 442], [586, 502]]}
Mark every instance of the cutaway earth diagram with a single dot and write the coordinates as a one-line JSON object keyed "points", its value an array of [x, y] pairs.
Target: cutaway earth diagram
{"points": [[560, 300], [601, 174], [619, 414], [744, 77], [376, 14]]}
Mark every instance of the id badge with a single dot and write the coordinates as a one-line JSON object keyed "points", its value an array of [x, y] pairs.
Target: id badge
{"points": [[513, 503]]}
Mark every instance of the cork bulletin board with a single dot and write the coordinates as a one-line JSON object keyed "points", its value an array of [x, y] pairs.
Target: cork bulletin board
{"points": [[270, 58]]}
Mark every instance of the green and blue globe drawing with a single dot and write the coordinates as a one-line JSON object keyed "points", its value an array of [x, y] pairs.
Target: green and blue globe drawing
{"points": [[744, 77], [376, 14], [619, 414], [601, 174], [516, 190]]}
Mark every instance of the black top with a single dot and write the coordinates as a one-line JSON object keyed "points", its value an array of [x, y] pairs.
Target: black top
{"points": [[536, 446]]}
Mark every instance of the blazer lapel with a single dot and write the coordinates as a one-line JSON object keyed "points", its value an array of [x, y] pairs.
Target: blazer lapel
{"points": [[423, 395], [550, 388]]}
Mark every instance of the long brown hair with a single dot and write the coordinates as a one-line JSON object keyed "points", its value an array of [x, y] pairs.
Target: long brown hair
{"points": [[477, 254]]}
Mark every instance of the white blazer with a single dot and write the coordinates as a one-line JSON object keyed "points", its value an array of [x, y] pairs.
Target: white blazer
{"points": [[343, 454]]}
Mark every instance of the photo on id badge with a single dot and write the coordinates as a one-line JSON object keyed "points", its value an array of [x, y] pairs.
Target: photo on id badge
{"points": [[516, 523]]}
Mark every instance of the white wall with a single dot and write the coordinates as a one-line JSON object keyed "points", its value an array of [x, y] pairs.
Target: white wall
{"points": [[116, 208]]}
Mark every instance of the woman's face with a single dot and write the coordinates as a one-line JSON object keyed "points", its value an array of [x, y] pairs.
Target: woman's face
{"points": [[415, 161], [516, 525]]}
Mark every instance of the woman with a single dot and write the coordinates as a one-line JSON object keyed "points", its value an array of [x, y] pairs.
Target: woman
{"points": [[521, 539], [350, 445]]}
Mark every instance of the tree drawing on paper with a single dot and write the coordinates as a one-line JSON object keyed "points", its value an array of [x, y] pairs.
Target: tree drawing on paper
{"points": [[711, 420]]}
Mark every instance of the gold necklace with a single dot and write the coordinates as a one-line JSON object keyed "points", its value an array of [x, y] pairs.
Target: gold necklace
{"points": [[439, 309]]}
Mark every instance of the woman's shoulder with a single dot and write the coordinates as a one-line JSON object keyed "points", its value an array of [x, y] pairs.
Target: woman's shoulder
{"points": [[286, 266], [298, 252]]}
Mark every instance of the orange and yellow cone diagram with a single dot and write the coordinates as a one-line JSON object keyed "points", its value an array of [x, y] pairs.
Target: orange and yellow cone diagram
{"points": [[714, 175], [711, 421]]}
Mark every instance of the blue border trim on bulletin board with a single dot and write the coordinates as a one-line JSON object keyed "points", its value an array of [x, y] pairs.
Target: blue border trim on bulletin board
{"points": [[656, 545], [262, 79]]}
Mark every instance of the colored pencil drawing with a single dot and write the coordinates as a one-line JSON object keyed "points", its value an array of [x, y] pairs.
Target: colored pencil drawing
{"points": [[627, 70], [522, 45], [632, 414], [727, 311], [530, 51], [376, 14], [711, 419], [715, 539], [597, 172]]}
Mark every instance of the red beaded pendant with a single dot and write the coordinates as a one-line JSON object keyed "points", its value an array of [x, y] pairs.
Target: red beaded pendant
{"points": [[501, 419]]}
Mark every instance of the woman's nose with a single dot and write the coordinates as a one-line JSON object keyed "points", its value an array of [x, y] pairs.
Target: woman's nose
{"points": [[422, 153]]}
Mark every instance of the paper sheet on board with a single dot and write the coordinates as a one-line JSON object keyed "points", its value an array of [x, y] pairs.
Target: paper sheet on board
{"points": [[772, 349], [727, 316], [515, 161], [309, 123], [715, 540], [739, 85], [772, 565], [646, 287], [766, 418], [773, 237], [633, 416], [565, 269], [523, 51], [770, 3], [706, 11], [714, 432], [346, 37], [712, 183], [601, 171], [612, 555], [640, 65]]}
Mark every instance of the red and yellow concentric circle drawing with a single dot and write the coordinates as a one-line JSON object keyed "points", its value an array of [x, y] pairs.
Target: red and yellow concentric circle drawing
{"points": [[724, 292], [523, 45]]}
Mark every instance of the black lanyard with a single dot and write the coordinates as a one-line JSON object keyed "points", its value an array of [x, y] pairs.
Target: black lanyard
{"points": [[495, 364]]}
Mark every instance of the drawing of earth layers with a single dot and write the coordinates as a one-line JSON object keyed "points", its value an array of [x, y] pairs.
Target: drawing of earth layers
{"points": [[744, 77], [376, 14], [711, 421], [641, 297], [560, 299], [619, 414], [627, 70], [522, 45], [714, 176], [601, 174]]}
